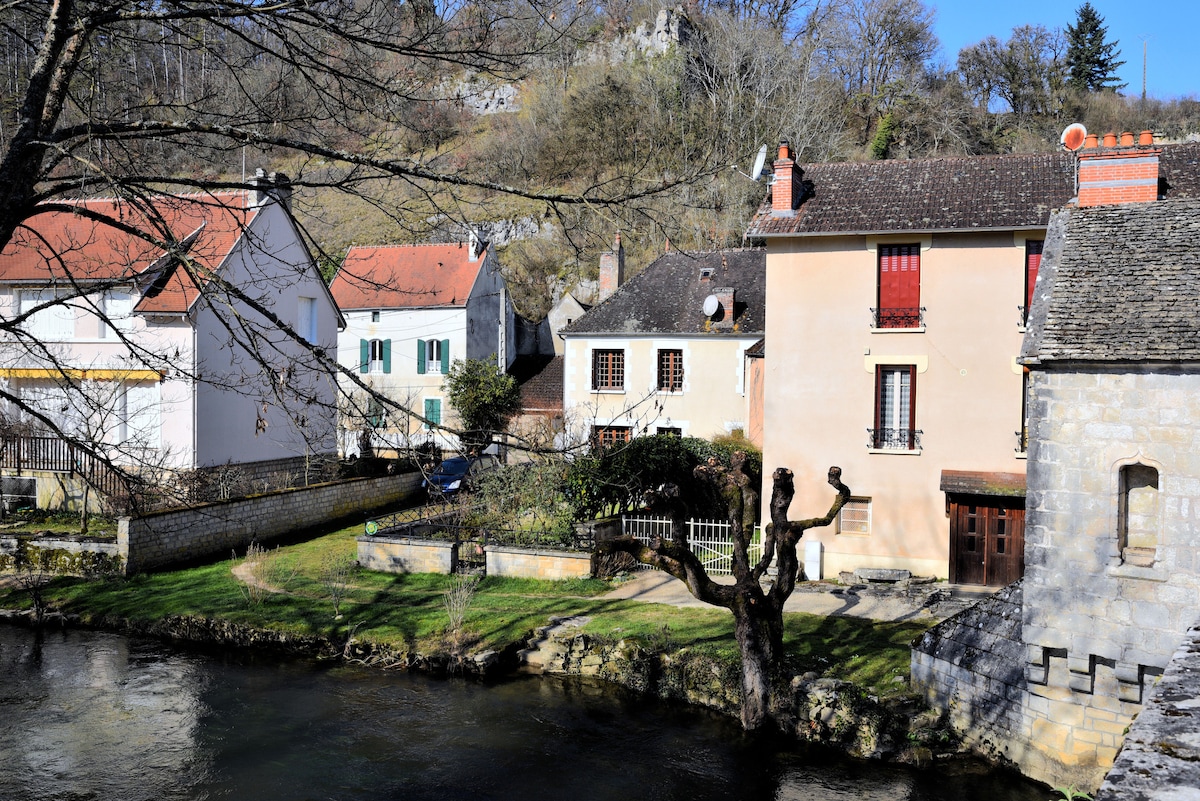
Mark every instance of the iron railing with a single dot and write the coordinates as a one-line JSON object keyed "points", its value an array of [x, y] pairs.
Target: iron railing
{"points": [[898, 318], [894, 439], [1022, 440], [59, 456]]}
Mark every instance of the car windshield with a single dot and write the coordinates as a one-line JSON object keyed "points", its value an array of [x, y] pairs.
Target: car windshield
{"points": [[453, 467]]}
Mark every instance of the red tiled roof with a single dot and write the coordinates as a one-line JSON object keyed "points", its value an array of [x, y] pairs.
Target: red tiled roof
{"points": [[541, 380], [406, 276], [58, 246]]}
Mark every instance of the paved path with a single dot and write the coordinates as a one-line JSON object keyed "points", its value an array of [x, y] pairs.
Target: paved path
{"points": [[875, 601]]}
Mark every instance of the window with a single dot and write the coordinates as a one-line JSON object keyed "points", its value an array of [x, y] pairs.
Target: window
{"points": [[1138, 514], [895, 401], [608, 370], [139, 415], [306, 320], [433, 356], [610, 435], [433, 412], [375, 356], [117, 308], [1033, 260], [376, 414], [669, 431], [899, 287], [855, 517], [54, 323], [670, 371], [374, 316], [1023, 434]]}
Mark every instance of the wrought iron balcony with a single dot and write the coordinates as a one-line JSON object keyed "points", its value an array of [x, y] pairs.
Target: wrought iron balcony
{"points": [[898, 318], [894, 439]]}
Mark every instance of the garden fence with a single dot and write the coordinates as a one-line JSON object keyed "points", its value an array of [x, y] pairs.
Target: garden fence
{"points": [[710, 540]]}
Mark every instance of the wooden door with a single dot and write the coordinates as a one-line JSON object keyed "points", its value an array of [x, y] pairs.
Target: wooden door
{"points": [[987, 540]]}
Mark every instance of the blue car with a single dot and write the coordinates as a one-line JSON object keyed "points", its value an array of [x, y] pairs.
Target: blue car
{"points": [[454, 475]]}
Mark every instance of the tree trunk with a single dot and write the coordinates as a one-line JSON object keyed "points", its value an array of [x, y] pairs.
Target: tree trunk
{"points": [[756, 627]]}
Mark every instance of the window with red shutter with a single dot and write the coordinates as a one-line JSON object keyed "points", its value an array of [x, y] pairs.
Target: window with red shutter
{"points": [[899, 287], [1033, 260]]}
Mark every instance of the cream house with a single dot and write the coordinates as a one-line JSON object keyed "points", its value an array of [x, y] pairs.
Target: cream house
{"points": [[664, 351], [411, 311]]}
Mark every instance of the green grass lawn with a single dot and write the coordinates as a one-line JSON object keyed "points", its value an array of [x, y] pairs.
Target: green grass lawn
{"points": [[410, 611]]}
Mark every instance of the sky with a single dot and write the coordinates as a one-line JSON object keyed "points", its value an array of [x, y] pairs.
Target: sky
{"points": [[1169, 29]]}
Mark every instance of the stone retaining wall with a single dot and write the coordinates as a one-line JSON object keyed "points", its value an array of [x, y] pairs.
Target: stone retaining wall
{"points": [[164, 538], [63, 542], [504, 560], [407, 555]]}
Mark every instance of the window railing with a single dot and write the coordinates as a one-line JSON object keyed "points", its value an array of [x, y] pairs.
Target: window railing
{"points": [[898, 318], [894, 439], [1022, 316], [1022, 440]]}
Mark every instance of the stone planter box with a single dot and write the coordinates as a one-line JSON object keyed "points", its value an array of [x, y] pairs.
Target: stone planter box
{"points": [[407, 555], [506, 560]]}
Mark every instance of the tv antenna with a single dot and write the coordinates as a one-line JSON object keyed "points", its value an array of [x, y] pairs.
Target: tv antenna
{"points": [[759, 161]]}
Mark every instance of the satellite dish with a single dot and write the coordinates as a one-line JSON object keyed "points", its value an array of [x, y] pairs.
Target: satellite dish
{"points": [[759, 161], [1073, 136], [711, 304]]}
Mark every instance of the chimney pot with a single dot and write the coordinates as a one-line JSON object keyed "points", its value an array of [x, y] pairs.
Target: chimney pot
{"points": [[1146, 138], [1126, 138], [1110, 140], [1091, 141]]}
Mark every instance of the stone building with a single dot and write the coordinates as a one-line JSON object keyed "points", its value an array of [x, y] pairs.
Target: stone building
{"points": [[1112, 539]]}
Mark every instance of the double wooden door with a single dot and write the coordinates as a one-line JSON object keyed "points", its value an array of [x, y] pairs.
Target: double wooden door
{"points": [[987, 540]]}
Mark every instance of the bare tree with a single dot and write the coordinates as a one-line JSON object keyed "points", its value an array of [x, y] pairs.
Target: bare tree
{"points": [[757, 612]]}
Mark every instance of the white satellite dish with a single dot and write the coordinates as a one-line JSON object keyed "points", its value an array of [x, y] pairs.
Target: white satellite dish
{"points": [[711, 304], [759, 162]]}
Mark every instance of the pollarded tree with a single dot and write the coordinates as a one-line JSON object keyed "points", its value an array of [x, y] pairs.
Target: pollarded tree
{"points": [[757, 612], [1091, 59]]}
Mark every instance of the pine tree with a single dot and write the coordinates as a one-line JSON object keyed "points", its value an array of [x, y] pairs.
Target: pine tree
{"points": [[1091, 61]]}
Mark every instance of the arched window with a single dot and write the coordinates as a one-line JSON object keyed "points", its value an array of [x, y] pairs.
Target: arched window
{"points": [[1139, 515]]}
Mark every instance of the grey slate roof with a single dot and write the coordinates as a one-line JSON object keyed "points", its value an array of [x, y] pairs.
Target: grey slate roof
{"points": [[668, 296], [1119, 284], [949, 194]]}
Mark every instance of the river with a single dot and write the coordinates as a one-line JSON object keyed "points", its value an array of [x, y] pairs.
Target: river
{"points": [[87, 715]]}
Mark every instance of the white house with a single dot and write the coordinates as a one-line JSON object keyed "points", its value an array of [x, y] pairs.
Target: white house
{"points": [[160, 329], [411, 311]]}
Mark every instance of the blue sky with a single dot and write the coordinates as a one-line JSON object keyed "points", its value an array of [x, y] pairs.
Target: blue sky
{"points": [[1170, 29]]}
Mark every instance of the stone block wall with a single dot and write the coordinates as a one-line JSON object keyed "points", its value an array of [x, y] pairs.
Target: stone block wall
{"points": [[505, 560], [160, 539], [1099, 622], [406, 555]]}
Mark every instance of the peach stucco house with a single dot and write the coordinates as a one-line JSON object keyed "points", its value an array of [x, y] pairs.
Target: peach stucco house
{"points": [[169, 357], [665, 351], [898, 294], [411, 311]]}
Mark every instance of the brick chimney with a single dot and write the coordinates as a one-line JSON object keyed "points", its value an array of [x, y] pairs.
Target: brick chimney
{"points": [[785, 188], [1119, 171], [276, 186], [612, 270]]}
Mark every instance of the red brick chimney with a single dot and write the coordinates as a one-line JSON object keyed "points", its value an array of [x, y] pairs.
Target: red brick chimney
{"points": [[785, 189], [612, 269], [1120, 171], [723, 318]]}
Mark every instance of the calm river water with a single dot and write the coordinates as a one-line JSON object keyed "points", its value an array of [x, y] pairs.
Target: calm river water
{"points": [[86, 715]]}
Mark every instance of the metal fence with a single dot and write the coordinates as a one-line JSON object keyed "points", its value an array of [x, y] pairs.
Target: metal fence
{"points": [[55, 455], [710, 540]]}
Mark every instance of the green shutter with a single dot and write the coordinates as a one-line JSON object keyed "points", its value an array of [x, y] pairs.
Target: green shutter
{"points": [[445, 356], [420, 357], [387, 355], [364, 355], [433, 410]]}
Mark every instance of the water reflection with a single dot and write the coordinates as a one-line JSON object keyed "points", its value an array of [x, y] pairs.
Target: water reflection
{"points": [[86, 715]]}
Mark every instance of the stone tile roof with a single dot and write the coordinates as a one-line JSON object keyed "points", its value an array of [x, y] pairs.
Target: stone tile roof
{"points": [[60, 245], [1119, 284], [406, 276], [668, 296], [971, 482], [969, 193], [541, 380]]}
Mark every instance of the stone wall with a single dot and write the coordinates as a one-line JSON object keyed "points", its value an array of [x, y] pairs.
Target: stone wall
{"points": [[164, 538], [407, 555], [503, 560]]}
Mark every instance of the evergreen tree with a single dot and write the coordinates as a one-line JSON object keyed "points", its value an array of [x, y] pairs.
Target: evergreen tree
{"points": [[1091, 61]]}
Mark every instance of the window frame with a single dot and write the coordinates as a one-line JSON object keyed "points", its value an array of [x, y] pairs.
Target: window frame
{"points": [[909, 440], [612, 371], [842, 529], [1033, 264], [898, 287], [605, 436], [672, 371], [306, 319]]}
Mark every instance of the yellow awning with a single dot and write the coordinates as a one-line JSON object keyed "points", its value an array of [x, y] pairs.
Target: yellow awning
{"points": [[80, 375]]}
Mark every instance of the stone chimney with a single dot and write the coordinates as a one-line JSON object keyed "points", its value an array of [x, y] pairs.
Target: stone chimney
{"points": [[722, 319], [274, 187], [785, 188], [612, 270], [1118, 171]]}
